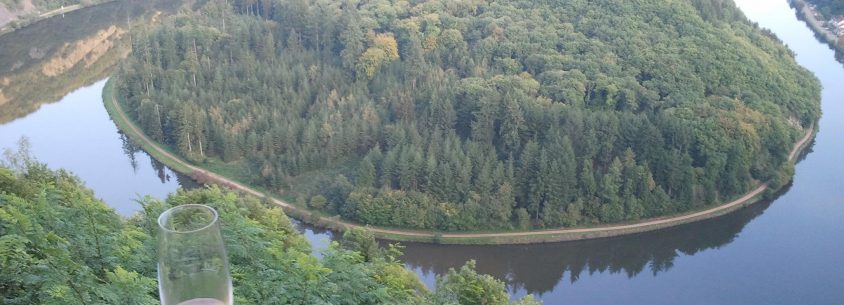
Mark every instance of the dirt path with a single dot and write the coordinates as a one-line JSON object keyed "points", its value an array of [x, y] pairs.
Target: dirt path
{"points": [[552, 235]]}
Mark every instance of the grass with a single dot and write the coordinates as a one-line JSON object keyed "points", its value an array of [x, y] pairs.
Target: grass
{"points": [[236, 170]]}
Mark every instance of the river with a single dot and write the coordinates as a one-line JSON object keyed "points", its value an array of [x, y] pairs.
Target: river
{"points": [[785, 251]]}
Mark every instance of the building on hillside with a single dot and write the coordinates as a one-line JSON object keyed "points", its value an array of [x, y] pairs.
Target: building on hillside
{"points": [[837, 22], [837, 25]]}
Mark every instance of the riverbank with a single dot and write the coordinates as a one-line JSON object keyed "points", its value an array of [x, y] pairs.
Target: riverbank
{"points": [[17, 23], [806, 14], [169, 158]]}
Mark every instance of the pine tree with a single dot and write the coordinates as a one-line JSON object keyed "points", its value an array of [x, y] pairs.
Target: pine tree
{"points": [[612, 209], [512, 125], [366, 173]]}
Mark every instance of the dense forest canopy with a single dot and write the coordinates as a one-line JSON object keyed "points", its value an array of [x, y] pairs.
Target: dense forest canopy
{"points": [[60, 245], [476, 115]]}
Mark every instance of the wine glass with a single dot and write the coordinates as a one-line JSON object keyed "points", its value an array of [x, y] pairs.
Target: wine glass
{"points": [[193, 268]]}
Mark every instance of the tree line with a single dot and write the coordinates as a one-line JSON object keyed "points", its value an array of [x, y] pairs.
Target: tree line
{"points": [[476, 115]]}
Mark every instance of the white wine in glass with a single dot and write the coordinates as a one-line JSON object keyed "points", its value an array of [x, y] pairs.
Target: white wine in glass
{"points": [[193, 268]]}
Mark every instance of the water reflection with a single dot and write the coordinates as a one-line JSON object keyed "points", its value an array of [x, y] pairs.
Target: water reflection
{"points": [[66, 59], [839, 56], [539, 268], [130, 149], [164, 174], [45, 61]]}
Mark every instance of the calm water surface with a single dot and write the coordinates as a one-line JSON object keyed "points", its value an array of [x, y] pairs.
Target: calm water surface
{"points": [[77, 134], [787, 251]]}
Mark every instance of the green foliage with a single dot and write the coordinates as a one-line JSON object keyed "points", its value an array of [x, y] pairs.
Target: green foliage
{"points": [[366, 173], [60, 245], [318, 202], [370, 61], [479, 115], [522, 219], [467, 287], [361, 241]]}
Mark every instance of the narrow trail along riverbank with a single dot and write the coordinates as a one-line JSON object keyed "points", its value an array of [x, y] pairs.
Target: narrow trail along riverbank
{"points": [[524, 237]]}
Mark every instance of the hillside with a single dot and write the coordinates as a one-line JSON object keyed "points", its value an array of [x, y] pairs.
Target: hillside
{"points": [[476, 115], [60, 245]]}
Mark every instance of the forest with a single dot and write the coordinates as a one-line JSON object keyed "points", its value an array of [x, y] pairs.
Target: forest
{"points": [[61, 245], [474, 115]]}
